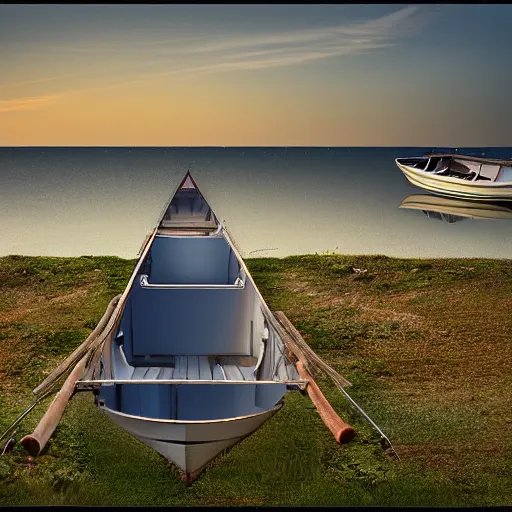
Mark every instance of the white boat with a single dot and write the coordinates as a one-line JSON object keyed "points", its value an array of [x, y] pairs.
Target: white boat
{"points": [[452, 210], [460, 176], [194, 364]]}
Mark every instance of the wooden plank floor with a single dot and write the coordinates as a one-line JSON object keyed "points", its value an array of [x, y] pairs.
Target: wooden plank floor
{"points": [[200, 368]]}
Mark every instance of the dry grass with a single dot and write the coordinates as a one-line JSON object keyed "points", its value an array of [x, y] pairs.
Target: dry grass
{"points": [[445, 362], [426, 345]]}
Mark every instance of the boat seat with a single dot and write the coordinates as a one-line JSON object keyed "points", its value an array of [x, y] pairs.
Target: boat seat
{"points": [[187, 368], [160, 323], [441, 167], [196, 260], [193, 402]]}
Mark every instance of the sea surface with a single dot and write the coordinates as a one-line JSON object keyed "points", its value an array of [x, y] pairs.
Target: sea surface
{"points": [[275, 201]]}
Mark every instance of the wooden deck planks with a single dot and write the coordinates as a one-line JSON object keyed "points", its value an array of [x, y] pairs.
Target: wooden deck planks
{"points": [[193, 367], [166, 374], [180, 370], [205, 371], [200, 368]]}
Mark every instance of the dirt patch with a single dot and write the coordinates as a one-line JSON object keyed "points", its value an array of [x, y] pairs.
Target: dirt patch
{"points": [[372, 312], [457, 459], [297, 283], [38, 302], [433, 456]]}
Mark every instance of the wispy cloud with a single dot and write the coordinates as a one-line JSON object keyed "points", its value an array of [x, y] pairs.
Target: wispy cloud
{"points": [[392, 26], [168, 56], [120, 44], [252, 52], [27, 103], [216, 53], [40, 80]]}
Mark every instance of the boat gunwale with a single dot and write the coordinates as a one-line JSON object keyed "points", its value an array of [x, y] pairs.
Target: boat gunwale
{"points": [[436, 178], [144, 283], [479, 159], [111, 382], [181, 233], [189, 422]]}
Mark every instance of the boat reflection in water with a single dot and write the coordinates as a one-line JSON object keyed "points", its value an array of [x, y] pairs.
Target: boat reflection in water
{"points": [[454, 210]]}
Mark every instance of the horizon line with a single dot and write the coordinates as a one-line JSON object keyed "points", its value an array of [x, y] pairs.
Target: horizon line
{"points": [[247, 146]]}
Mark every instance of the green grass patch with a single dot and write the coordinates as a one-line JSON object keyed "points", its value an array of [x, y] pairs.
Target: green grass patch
{"points": [[430, 372]]}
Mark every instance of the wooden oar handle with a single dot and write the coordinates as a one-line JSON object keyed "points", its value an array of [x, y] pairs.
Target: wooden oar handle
{"points": [[35, 442], [342, 432]]}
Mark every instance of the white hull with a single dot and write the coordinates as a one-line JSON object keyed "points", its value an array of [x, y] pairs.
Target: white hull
{"points": [[457, 187], [190, 458], [190, 445]]}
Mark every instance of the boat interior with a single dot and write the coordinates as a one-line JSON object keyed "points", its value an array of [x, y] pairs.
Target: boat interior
{"points": [[465, 169], [192, 315], [446, 217], [188, 212]]}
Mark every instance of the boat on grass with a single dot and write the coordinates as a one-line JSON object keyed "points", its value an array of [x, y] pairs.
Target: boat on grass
{"points": [[189, 359], [460, 176], [194, 364]]}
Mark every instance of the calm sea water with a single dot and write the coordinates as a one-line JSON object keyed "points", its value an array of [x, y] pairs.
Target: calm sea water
{"points": [[275, 201]]}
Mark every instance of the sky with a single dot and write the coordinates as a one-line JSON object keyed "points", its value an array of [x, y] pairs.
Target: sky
{"points": [[255, 75]]}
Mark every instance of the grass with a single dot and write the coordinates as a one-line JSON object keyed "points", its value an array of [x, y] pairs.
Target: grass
{"points": [[425, 344]]}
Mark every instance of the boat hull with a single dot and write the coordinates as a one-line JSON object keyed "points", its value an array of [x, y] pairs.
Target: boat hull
{"points": [[190, 445], [193, 363], [456, 187]]}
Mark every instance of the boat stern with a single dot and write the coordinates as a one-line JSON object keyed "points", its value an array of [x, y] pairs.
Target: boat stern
{"points": [[191, 423]]}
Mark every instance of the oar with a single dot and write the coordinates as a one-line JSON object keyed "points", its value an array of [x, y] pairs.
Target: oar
{"points": [[105, 328], [82, 349], [35, 442], [342, 432], [18, 420], [288, 326], [47, 387]]}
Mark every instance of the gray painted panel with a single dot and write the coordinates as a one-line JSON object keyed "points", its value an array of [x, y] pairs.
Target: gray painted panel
{"points": [[190, 432], [193, 368], [191, 260], [205, 371], [198, 402], [231, 369], [217, 373], [129, 399], [139, 373], [234, 267], [152, 373], [166, 374], [247, 372], [122, 370], [180, 371], [208, 402], [189, 321]]}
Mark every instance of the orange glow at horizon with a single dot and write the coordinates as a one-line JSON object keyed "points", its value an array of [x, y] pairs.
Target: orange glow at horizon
{"points": [[158, 75]]}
